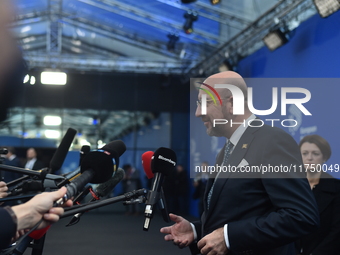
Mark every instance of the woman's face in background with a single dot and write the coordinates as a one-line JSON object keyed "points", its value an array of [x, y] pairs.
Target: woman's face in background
{"points": [[311, 154]]}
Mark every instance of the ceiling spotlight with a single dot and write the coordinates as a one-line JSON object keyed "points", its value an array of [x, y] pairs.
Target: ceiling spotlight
{"points": [[276, 38], [26, 78], [326, 7], [190, 17], [53, 78], [52, 133], [173, 38], [52, 120], [32, 80], [213, 2]]}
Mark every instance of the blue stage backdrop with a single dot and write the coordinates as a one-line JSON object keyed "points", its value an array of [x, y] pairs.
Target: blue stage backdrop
{"points": [[312, 58]]}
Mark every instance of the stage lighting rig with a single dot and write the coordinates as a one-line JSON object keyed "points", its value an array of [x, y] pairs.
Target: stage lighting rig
{"points": [[276, 38], [190, 17], [214, 2], [326, 7], [173, 38]]}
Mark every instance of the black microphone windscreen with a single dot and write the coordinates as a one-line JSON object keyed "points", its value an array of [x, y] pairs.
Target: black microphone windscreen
{"points": [[100, 163], [105, 188], [84, 150], [116, 147], [164, 161], [62, 150]]}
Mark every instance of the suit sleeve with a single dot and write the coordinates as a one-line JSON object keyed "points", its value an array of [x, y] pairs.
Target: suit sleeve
{"points": [[7, 229], [193, 246], [330, 244], [294, 212]]}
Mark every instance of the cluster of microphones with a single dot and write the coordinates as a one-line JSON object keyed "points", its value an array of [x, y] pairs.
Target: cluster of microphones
{"points": [[95, 167]]}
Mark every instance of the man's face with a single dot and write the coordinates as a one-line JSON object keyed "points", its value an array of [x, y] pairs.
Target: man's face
{"points": [[214, 111], [31, 154]]}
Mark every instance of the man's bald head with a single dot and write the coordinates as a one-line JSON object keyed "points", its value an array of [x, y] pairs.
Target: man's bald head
{"points": [[226, 110], [227, 77]]}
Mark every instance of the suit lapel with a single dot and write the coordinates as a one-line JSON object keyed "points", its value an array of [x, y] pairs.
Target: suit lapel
{"points": [[210, 182], [234, 160]]}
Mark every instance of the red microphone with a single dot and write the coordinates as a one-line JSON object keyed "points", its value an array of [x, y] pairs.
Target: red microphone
{"points": [[146, 162], [37, 234], [147, 159]]}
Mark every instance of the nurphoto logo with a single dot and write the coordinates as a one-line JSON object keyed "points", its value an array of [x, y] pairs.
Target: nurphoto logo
{"points": [[239, 102]]}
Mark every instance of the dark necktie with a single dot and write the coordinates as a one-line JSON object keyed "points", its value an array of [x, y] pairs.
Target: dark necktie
{"points": [[227, 153]]}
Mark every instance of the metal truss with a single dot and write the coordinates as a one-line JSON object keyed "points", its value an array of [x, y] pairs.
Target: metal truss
{"points": [[214, 13], [54, 34], [153, 20], [79, 46], [29, 18], [285, 12], [116, 34], [121, 64], [224, 13]]}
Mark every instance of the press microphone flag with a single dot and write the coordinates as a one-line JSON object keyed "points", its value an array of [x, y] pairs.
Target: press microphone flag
{"points": [[163, 164]]}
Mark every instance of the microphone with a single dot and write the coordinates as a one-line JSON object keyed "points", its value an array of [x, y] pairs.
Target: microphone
{"points": [[62, 150], [96, 167], [162, 164], [105, 188], [146, 162], [48, 180], [85, 149]]}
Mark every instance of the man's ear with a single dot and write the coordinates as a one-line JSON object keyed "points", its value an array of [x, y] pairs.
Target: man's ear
{"points": [[231, 110]]}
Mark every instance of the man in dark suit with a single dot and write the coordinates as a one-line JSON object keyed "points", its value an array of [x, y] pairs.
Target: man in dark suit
{"points": [[254, 212], [32, 161], [11, 159]]}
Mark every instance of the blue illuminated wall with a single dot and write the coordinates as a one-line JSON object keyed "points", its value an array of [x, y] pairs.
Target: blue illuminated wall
{"points": [[312, 52]]}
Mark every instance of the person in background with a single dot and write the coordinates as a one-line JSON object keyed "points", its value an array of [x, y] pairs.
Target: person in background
{"points": [[32, 162], [11, 159], [131, 182], [180, 190], [175, 189], [315, 152]]}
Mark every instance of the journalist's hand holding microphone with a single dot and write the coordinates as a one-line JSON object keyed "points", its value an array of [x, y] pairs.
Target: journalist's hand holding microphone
{"points": [[3, 190], [40, 206]]}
